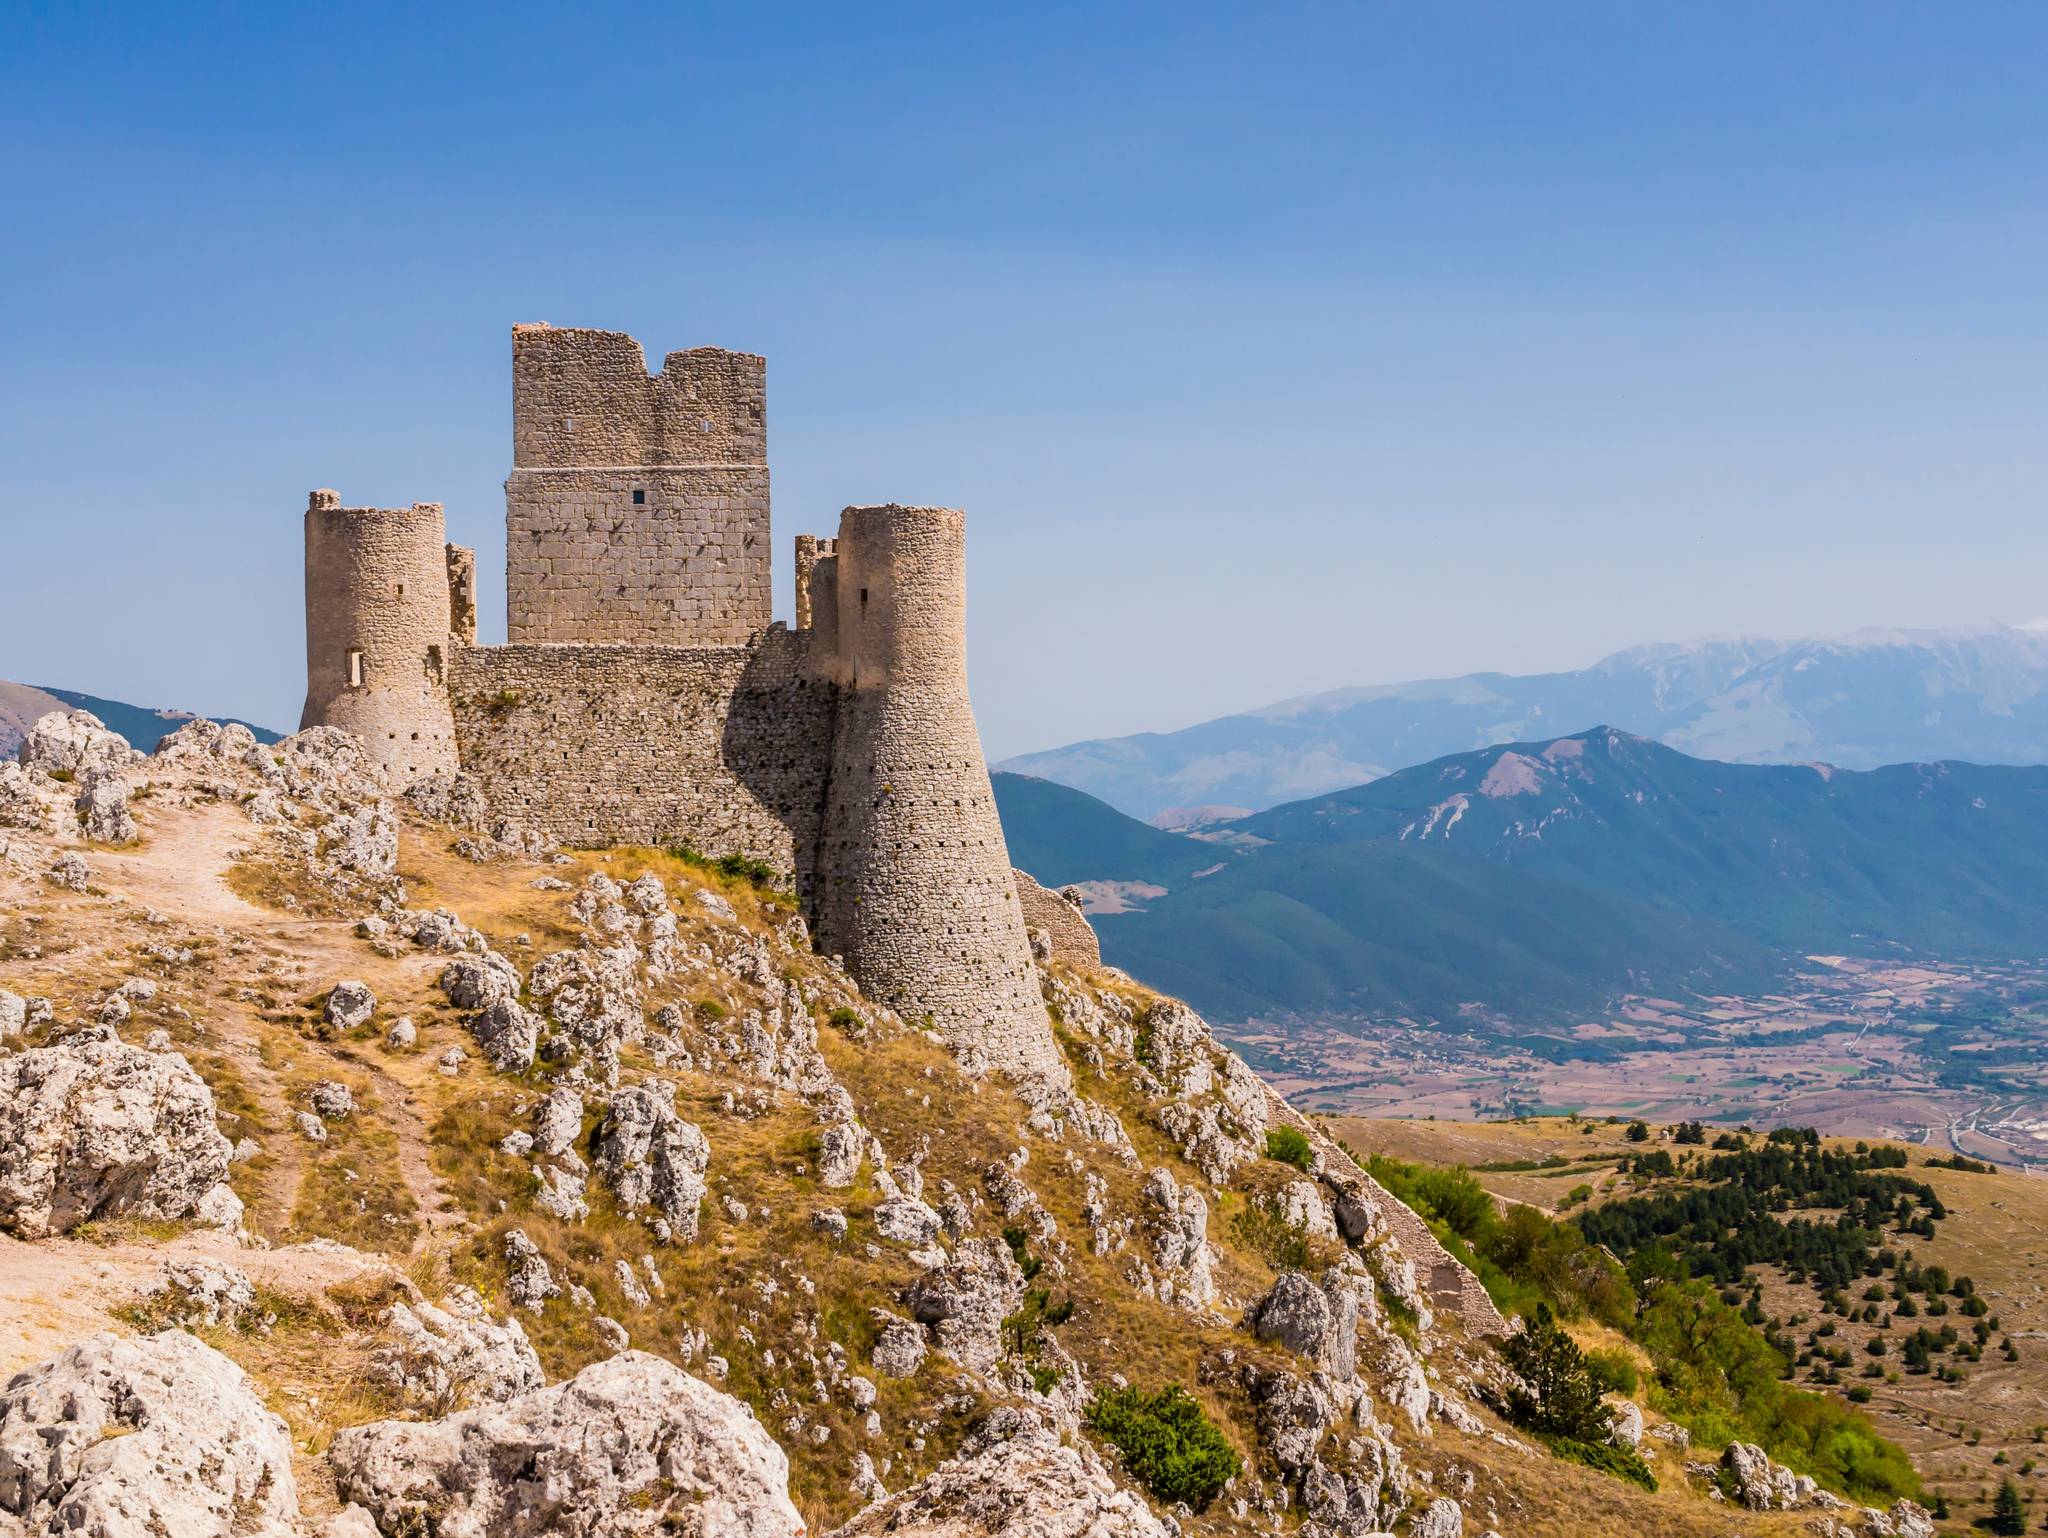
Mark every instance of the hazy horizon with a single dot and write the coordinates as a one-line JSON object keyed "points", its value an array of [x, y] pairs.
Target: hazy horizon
{"points": [[1362, 347]]}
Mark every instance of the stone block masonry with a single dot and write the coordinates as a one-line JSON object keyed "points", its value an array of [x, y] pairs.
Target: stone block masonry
{"points": [[1073, 938], [637, 507], [721, 748]]}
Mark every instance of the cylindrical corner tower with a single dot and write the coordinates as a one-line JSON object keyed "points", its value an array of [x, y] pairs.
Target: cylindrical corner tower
{"points": [[378, 632], [915, 888]]}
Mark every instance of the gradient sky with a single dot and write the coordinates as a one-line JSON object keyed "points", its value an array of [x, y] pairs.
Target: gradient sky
{"points": [[1269, 348]]}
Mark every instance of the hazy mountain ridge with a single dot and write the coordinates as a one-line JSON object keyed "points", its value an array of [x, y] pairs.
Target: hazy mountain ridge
{"points": [[1540, 880], [1861, 701]]}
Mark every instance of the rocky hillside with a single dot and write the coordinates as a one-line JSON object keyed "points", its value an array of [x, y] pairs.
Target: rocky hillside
{"points": [[22, 705], [367, 1170]]}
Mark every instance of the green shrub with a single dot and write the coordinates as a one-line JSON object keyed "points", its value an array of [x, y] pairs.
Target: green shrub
{"points": [[1613, 1370], [1168, 1443], [1282, 1245], [709, 1011], [1556, 1396], [1290, 1146]]}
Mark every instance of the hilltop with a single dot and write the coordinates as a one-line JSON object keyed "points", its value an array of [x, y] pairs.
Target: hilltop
{"points": [[418, 1140], [1861, 701], [22, 705]]}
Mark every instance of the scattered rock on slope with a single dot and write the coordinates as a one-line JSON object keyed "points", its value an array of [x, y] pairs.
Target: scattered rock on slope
{"points": [[91, 1127], [651, 1157], [630, 1445]]}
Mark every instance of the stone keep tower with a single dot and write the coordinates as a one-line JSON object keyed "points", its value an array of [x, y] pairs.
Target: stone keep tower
{"points": [[378, 631], [914, 885], [637, 508]]}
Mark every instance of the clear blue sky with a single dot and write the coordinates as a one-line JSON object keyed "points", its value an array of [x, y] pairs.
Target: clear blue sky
{"points": [[1269, 348]]}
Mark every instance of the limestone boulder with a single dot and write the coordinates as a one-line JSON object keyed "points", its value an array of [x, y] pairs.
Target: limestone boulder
{"points": [[196, 1290], [1013, 1478], [899, 1349], [91, 1127], [350, 1003], [1318, 1321], [1441, 1518], [163, 1435], [1176, 1221], [21, 806], [840, 1148], [102, 807], [557, 1123], [651, 1158], [529, 1280], [74, 744], [442, 1357], [631, 1445], [965, 1300]]}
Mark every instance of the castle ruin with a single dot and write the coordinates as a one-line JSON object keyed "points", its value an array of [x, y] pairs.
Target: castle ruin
{"points": [[645, 696]]}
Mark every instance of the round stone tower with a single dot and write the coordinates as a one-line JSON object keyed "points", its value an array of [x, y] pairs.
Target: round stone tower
{"points": [[378, 632], [915, 888]]}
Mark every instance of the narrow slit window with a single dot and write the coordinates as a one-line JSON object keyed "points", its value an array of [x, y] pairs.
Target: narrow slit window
{"points": [[355, 670], [863, 598]]}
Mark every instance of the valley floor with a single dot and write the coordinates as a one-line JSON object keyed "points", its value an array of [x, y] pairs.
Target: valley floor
{"points": [[1941, 1055]]}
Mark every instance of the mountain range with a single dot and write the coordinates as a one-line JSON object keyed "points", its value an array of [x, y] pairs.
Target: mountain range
{"points": [[1542, 880], [1858, 702]]}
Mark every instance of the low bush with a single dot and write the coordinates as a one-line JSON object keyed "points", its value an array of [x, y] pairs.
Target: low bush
{"points": [[1290, 1146], [1168, 1442]]}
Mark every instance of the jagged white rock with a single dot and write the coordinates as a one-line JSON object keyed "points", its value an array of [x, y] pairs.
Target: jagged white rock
{"points": [[91, 1127], [631, 1445], [162, 1435], [1012, 1479]]}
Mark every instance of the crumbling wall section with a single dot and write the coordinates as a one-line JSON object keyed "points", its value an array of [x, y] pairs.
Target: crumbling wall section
{"points": [[1073, 938]]}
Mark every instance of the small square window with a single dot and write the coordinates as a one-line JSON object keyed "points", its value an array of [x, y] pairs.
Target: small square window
{"points": [[639, 497]]}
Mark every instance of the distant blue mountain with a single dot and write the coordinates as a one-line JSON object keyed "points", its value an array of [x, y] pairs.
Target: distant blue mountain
{"points": [[1873, 698]]}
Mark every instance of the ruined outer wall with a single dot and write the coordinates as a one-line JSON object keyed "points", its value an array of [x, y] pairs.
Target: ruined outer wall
{"points": [[377, 593], [915, 888], [721, 748], [637, 507], [1073, 937]]}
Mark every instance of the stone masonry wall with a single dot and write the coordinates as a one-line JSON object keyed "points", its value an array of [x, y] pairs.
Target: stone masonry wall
{"points": [[721, 748], [637, 508], [914, 879], [377, 632]]}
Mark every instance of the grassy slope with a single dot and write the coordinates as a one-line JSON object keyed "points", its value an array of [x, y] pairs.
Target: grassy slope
{"points": [[1997, 1233]]}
